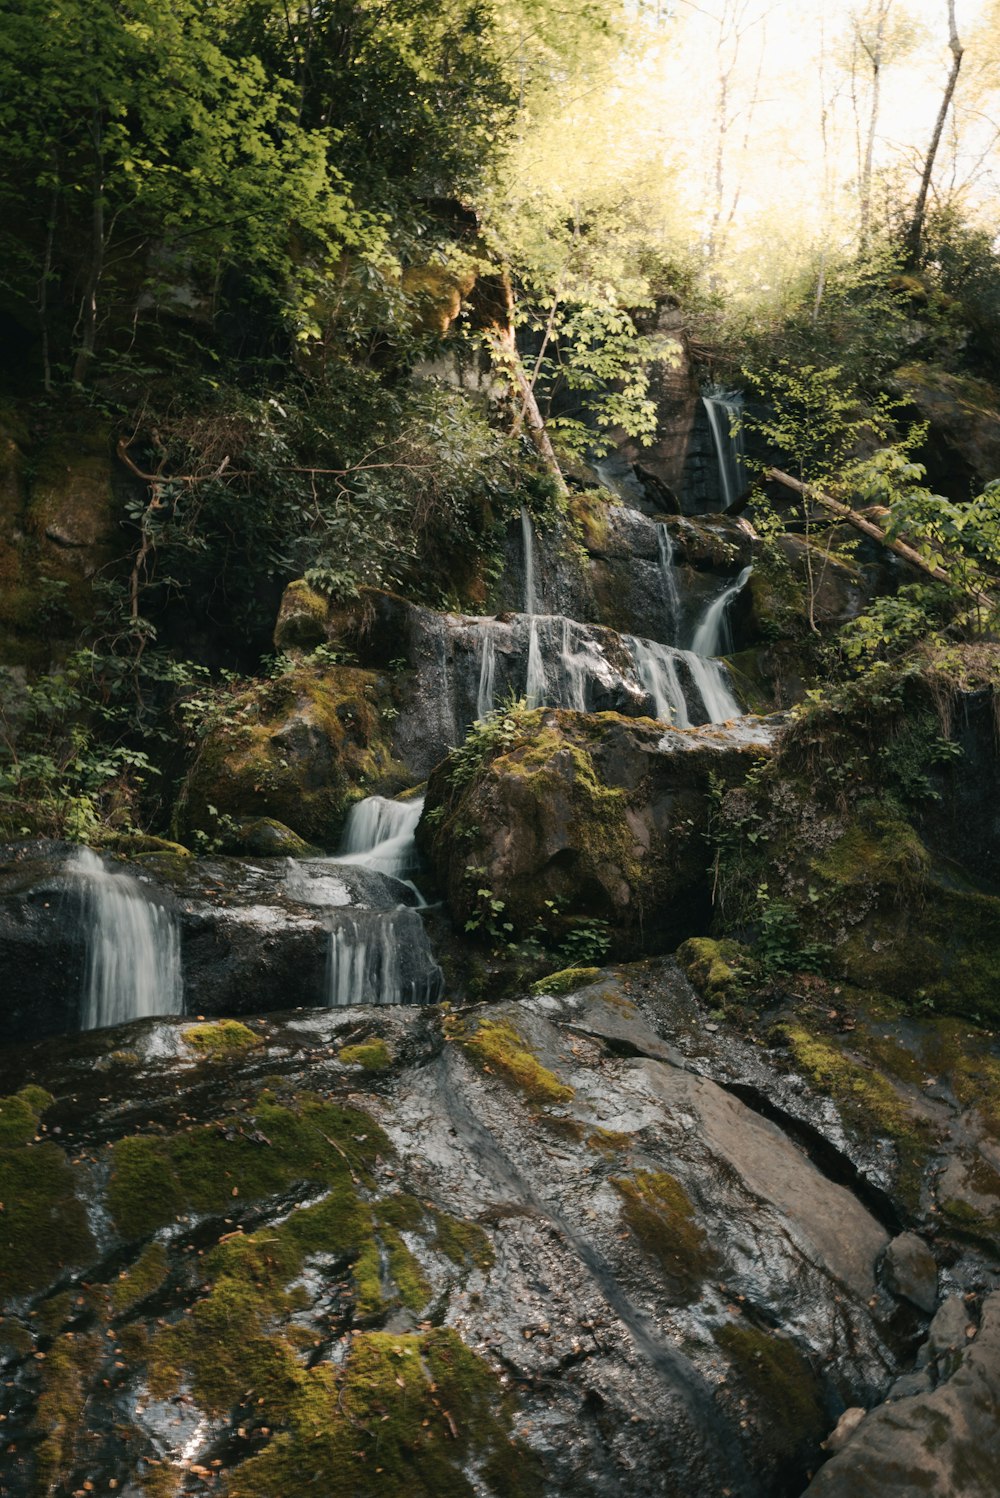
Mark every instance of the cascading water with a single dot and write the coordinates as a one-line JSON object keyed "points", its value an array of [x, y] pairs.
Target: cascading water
{"points": [[535, 685], [381, 834], [716, 694], [713, 635], [133, 949], [656, 667], [725, 412], [375, 958], [665, 544], [528, 543], [487, 674]]}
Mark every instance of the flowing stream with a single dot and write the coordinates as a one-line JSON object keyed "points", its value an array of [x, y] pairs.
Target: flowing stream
{"points": [[133, 949]]}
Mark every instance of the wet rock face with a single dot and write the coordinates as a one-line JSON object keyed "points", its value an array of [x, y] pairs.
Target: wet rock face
{"points": [[939, 1433], [622, 1280], [447, 670], [581, 818], [251, 938], [618, 580]]}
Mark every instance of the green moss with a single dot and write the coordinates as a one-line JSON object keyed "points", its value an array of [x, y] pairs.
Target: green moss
{"points": [[567, 980], [256, 1155], [406, 1413], [849, 1081], [499, 1048], [302, 618], [785, 1393], [21, 1114], [372, 1055], [879, 847], [224, 1037], [460, 1241], [717, 969], [609, 1142], [964, 1056], [867, 1100], [660, 1214], [43, 1226], [59, 1412], [146, 1275]]}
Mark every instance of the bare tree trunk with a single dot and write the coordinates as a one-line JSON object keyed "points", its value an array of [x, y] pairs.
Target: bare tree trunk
{"points": [[916, 229], [874, 51], [88, 311], [43, 283], [504, 342]]}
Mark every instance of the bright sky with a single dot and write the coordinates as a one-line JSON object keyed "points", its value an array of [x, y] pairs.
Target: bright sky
{"points": [[792, 60]]}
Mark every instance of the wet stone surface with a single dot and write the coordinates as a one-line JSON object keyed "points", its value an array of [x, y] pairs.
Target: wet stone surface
{"points": [[598, 1242]]}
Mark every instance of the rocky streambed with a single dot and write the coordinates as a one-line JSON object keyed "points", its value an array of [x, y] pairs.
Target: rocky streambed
{"points": [[602, 1239]]}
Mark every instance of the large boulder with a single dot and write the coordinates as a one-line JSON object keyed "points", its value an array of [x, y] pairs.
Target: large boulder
{"points": [[299, 750], [570, 818], [881, 823], [942, 1438], [60, 516], [962, 449]]}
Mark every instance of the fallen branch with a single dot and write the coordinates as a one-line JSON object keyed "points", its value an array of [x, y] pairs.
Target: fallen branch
{"points": [[869, 528]]}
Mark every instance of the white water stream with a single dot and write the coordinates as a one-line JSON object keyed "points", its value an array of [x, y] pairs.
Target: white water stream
{"points": [[725, 414], [133, 949]]}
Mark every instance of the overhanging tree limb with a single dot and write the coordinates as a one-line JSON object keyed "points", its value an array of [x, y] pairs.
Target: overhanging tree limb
{"points": [[869, 528]]}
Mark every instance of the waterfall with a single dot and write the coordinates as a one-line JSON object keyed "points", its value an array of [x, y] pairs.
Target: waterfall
{"points": [[381, 834], [535, 685], [656, 668], [572, 671], [133, 949], [725, 410], [381, 957], [713, 636], [487, 673], [528, 543], [710, 678], [665, 545]]}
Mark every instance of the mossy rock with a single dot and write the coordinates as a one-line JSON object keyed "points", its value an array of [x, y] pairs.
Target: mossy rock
{"points": [[576, 818], [224, 1037], [917, 932], [566, 980], [660, 1214], [370, 1055], [264, 837], [296, 751], [43, 1225], [404, 1414], [502, 1050], [303, 618], [785, 1394], [717, 969]]}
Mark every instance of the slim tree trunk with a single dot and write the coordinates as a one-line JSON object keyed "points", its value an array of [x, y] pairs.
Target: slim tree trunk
{"points": [[504, 342], [875, 53], [43, 283], [88, 311], [916, 229]]}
